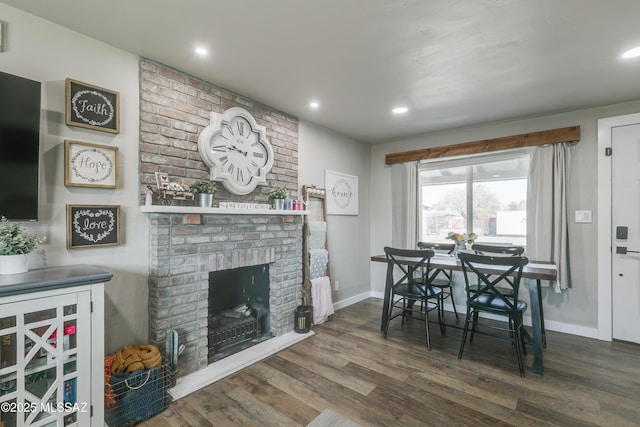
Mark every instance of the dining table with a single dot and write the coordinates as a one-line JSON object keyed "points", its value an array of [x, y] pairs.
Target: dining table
{"points": [[534, 271]]}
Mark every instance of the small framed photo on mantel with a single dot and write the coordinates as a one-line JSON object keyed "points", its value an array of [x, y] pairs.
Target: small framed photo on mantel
{"points": [[90, 165], [92, 107]]}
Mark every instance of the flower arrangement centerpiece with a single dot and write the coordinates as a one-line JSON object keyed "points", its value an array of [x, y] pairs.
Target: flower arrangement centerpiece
{"points": [[462, 238], [15, 243]]}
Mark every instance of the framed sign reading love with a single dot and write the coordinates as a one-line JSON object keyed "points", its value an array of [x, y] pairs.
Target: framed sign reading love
{"points": [[90, 165], [92, 107], [92, 225]]}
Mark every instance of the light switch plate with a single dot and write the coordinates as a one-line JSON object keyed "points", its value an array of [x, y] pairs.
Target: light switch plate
{"points": [[583, 217]]}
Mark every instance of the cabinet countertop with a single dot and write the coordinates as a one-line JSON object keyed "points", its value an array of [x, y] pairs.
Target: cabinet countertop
{"points": [[41, 279]]}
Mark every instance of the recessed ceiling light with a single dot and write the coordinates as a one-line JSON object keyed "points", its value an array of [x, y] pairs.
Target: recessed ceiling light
{"points": [[400, 110], [632, 53], [314, 104], [201, 51]]}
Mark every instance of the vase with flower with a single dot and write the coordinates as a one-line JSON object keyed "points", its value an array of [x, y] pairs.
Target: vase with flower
{"points": [[462, 240]]}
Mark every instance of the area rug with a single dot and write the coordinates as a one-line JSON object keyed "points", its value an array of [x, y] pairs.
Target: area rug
{"points": [[333, 419]]}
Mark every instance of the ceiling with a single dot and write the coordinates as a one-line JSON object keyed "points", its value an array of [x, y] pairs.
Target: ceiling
{"points": [[453, 63]]}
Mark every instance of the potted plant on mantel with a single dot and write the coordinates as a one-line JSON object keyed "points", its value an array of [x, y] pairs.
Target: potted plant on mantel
{"points": [[15, 243], [205, 190], [277, 196]]}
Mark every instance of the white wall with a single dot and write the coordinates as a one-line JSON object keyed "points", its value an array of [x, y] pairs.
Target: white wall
{"points": [[39, 50], [348, 236], [572, 311]]}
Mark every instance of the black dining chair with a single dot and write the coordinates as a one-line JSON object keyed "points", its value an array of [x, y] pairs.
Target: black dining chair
{"points": [[509, 250], [443, 279], [487, 297], [409, 289], [498, 250]]}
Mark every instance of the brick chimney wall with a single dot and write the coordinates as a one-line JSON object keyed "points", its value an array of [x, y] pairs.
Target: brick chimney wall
{"points": [[184, 248], [174, 109]]}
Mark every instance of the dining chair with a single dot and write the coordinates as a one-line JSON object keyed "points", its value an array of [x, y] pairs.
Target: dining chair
{"points": [[410, 288], [443, 279], [509, 250], [488, 298], [498, 250]]}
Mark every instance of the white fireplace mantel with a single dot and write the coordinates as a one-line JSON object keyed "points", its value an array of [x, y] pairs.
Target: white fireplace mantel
{"points": [[218, 211]]}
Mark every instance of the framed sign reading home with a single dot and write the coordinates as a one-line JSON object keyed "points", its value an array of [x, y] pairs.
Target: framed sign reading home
{"points": [[341, 193], [92, 107], [90, 165], [92, 226]]}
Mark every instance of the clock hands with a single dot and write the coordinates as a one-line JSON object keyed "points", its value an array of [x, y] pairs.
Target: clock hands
{"points": [[230, 148], [244, 153]]}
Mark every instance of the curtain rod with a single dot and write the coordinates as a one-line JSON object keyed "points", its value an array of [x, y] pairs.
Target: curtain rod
{"points": [[553, 136]]}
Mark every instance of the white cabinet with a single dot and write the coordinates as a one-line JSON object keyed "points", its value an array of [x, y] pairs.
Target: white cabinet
{"points": [[52, 347]]}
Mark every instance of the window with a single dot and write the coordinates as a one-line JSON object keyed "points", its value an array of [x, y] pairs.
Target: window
{"points": [[484, 194]]}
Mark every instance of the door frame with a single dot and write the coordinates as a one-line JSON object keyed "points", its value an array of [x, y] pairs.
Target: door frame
{"points": [[605, 300]]}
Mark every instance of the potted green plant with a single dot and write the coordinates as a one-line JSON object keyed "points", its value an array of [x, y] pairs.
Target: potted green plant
{"points": [[205, 190], [15, 243], [277, 196]]}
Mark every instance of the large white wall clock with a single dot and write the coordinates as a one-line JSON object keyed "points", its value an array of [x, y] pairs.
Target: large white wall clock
{"points": [[236, 150]]}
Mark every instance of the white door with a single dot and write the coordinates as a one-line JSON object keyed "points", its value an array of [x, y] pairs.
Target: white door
{"points": [[625, 212]]}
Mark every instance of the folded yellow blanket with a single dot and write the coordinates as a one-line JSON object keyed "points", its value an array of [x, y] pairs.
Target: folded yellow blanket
{"points": [[138, 356]]}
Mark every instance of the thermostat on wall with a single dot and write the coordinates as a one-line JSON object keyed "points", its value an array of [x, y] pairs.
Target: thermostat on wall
{"points": [[583, 217]]}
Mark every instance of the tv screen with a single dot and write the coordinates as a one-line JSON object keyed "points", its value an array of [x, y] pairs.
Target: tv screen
{"points": [[19, 147]]}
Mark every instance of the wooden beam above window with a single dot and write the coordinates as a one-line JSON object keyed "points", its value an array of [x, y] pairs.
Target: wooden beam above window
{"points": [[553, 136]]}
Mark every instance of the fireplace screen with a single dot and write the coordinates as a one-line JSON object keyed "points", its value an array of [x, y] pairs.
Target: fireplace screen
{"points": [[238, 310]]}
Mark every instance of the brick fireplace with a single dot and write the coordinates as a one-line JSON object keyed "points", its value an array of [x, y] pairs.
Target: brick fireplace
{"points": [[186, 247], [187, 243]]}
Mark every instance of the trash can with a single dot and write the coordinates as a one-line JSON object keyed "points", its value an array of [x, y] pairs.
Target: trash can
{"points": [[302, 319]]}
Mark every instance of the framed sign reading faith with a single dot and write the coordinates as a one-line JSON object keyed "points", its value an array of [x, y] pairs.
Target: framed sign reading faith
{"points": [[341, 193], [89, 226], [92, 107], [90, 165]]}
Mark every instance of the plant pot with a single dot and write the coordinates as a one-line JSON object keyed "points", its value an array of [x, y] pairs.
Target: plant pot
{"points": [[205, 200], [13, 264], [278, 204]]}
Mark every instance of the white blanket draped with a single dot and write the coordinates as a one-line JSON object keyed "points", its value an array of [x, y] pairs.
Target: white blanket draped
{"points": [[322, 300]]}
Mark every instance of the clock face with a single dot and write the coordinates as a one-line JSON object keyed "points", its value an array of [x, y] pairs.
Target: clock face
{"points": [[237, 151]]}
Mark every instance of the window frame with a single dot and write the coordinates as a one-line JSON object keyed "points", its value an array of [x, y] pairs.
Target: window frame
{"points": [[468, 161]]}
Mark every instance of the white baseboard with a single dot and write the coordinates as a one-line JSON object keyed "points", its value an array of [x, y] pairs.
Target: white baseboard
{"points": [[351, 300], [550, 325]]}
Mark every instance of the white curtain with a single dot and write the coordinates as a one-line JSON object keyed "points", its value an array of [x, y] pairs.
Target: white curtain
{"points": [[404, 205], [547, 215]]}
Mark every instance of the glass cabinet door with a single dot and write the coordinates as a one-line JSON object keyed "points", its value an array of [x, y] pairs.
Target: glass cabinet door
{"points": [[44, 361]]}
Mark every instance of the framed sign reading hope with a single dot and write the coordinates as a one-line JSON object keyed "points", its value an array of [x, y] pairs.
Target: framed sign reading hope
{"points": [[90, 165], [92, 107], [92, 225]]}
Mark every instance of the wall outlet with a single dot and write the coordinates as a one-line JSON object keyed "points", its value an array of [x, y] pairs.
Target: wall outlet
{"points": [[336, 285]]}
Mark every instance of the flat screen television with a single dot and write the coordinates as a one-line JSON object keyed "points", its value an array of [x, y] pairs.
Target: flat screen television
{"points": [[19, 147]]}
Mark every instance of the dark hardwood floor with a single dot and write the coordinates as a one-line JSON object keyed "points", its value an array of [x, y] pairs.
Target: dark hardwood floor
{"points": [[351, 369]]}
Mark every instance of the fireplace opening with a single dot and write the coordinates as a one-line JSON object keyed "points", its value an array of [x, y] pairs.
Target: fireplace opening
{"points": [[238, 310]]}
